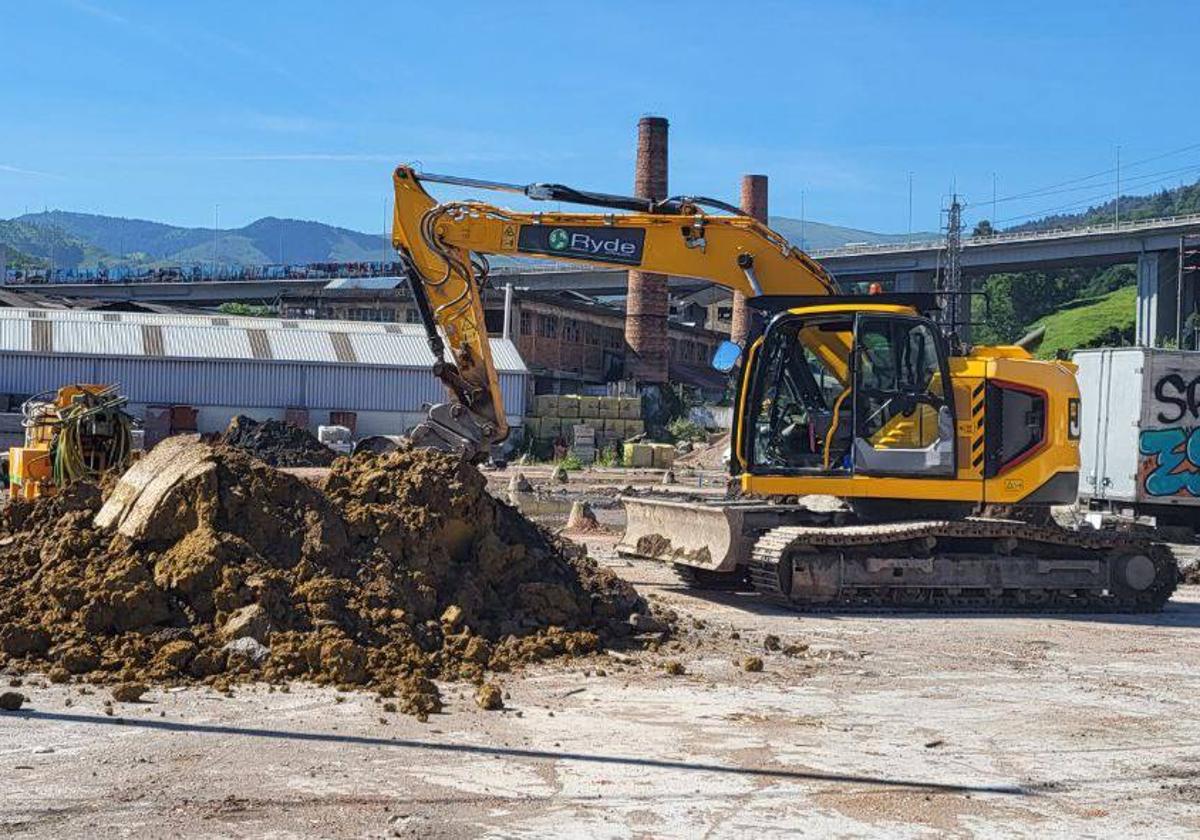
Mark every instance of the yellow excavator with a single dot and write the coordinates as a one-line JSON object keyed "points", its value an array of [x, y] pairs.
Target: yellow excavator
{"points": [[866, 398]]}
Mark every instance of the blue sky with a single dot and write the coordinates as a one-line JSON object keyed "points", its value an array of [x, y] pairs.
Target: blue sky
{"points": [[164, 110]]}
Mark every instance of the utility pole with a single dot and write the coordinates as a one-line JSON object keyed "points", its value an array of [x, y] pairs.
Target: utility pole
{"points": [[216, 227], [383, 254], [952, 289], [993, 203], [909, 239], [1117, 206], [801, 220]]}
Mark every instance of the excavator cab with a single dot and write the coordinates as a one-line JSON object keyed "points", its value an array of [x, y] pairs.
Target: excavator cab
{"points": [[833, 390]]}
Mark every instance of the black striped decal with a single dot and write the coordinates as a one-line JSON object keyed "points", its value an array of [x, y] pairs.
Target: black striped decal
{"points": [[977, 403]]}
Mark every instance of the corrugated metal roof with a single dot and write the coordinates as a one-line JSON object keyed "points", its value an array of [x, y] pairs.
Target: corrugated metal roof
{"points": [[315, 325], [163, 336]]}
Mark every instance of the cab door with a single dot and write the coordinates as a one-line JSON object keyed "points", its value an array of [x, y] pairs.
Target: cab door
{"points": [[903, 410]]}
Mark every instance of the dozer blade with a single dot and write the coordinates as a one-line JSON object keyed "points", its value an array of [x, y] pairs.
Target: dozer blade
{"points": [[711, 536]]}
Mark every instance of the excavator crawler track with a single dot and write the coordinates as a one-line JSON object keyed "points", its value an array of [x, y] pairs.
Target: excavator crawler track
{"points": [[967, 565]]}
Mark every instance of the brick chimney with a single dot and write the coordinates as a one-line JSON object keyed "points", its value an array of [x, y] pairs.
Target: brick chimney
{"points": [[647, 304], [753, 203]]}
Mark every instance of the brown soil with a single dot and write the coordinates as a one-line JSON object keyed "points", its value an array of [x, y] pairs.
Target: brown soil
{"points": [[400, 569], [277, 443], [709, 456]]}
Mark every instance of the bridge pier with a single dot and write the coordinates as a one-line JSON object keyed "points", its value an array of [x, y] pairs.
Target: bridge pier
{"points": [[1158, 298], [914, 281]]}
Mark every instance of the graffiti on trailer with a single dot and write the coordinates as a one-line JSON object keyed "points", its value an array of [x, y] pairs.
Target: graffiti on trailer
{"points": [[1172, 461], [1179, 397]]}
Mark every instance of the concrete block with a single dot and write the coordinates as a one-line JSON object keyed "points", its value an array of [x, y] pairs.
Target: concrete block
{"points": [[610, 407], [589, 406], [568, 405], [583, 434], [662, 455], [630, 408], [639, 455], [545, 405], [629, 428]]}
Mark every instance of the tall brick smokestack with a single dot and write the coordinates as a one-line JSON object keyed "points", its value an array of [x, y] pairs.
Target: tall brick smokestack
{"points": [[753, 203], [647, 305]]}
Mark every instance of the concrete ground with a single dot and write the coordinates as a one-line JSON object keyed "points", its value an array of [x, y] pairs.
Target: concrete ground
{"points": [[898, 726]]}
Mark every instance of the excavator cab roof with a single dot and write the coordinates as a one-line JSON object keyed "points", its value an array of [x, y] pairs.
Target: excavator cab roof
{"points": [[923, 303]]}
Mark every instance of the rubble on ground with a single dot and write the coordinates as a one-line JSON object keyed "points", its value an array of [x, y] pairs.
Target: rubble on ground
{"points": [[398, 570], [709, 456], [277, 443]]}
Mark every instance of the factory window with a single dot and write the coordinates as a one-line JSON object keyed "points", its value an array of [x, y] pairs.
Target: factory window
{"points": [[724, 313], [412, 316], [673, 350], [548, 326], [593, 335], [526, 323], [493, 320], [571, 330]]}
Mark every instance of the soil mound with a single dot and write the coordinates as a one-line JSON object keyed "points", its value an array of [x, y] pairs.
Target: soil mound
{"points": [[400, 569], [710, 456], [277, 443]]}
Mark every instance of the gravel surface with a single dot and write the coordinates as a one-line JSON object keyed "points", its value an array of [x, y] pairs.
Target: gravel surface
{"points": [[897, 726]]}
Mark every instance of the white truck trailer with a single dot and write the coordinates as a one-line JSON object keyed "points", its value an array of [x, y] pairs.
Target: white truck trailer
{"points": [[1140, 432]]}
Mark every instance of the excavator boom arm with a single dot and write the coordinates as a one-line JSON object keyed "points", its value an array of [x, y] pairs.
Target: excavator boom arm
{"points": [[437, 243]]}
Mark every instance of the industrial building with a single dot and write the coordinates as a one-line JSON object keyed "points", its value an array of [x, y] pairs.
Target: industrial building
{"points": [[570, 341], [375, 376]]}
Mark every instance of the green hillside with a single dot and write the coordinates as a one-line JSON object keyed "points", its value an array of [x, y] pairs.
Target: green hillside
{"points": [[48, 244], [1180, 201], [140, 242], [13, 258], [1104, 321]]}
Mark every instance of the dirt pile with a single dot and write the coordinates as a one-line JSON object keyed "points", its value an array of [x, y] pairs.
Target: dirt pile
{"points": [[400, 569], [710, 456], [277, 443]]}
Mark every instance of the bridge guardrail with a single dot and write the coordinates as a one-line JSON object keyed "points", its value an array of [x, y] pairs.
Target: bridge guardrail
{"points": [[978, 241]]}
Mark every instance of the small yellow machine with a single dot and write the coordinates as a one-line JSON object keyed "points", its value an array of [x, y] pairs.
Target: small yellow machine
{"points": [[76, 432]]}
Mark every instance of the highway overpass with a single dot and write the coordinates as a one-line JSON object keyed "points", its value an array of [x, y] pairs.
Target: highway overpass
{"points": [[1153, 244]]}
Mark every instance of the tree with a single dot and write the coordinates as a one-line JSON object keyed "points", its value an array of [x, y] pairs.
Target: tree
{"points": [[246, 310], [984, 228]]}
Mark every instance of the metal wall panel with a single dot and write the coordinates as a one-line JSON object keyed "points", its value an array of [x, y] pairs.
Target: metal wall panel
{"points": [[244, 383], [371, 389], [29, 374], [16, 334]]}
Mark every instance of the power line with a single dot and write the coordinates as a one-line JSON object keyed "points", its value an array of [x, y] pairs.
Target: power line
{"points": [[1148, 176], [1103, 173], [1140, 181]]}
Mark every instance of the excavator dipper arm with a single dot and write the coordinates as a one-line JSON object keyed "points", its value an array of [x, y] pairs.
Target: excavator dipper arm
{"points": [[442, 247]]}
